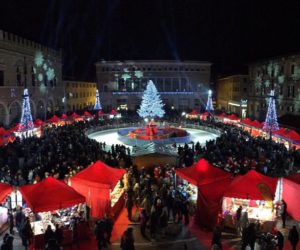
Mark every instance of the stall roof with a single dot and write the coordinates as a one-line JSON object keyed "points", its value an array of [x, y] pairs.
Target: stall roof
{"points": [[50, 194], [53, 119], [253, 186], [5, 190], [38, 122], [99, 175], [202, 172], [294, 178], [293, 135], [194, 112], [86, 113]]}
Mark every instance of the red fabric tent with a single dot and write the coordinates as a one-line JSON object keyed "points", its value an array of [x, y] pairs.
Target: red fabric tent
{"points": [[194, 112], [53, 119], [38, 122], [95, 183], [5, 190], [50, 194], [293, 135], [64, 116], [113, 112], [2, 131], [86, 113], [282, 131], [74, 115], [223, 115], [256, 124], [211, 183], [233, 117], [100, 112], [291, 194], [17, 127], [252, 186], [247, 121]]}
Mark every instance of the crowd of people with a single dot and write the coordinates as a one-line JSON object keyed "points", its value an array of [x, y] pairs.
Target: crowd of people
{"points": [[60, 152], [238, 152], [63, 151]]}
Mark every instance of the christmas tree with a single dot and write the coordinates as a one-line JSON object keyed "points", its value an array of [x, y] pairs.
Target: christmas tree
{"points": [[26, 118], [151, 105], [209, 106], [271, 123], [97, 103]]}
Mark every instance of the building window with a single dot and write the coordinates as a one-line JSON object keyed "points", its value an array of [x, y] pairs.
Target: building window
{"points": [[19, 80], [292, 69], [291, 91], [281, 90], [1, 78]]}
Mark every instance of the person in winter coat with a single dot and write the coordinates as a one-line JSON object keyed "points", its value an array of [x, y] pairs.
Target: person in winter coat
{"points": [[294, 237]]}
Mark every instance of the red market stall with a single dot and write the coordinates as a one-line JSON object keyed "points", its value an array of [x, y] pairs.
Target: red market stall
{"points": [[38, 123], [98, 183], [291, 194], [75, 117], [193, 115], [64, 117], [55, 120], [255, 193], [211, 183], [50, 194], [56, 203]]}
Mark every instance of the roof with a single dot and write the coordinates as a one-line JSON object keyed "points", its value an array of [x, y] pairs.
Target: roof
{"points": [[99, 175], [50, 194], [153, 62], [253, 186], [202, 173], [5, 190]]}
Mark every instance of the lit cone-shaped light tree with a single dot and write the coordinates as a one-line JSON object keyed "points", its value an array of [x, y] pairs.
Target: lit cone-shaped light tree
{"points": [[271, 123], [152, 105], [26, 118], [97, 103], [209, 105]]}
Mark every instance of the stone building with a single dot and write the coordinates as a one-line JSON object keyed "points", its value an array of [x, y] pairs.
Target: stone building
{"points": [[280, 73], [27, 64], [183, 85], [80, 95], [232, 94]]}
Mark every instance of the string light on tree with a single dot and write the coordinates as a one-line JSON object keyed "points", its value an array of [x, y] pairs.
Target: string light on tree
{"points": [[271, 123], [209, 105], [97, 102], [151, 105], [26, 118]]}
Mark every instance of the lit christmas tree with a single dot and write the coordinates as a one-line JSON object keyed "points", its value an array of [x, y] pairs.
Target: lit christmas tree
{"points": [[271, 123], [151, 105], [209, 106], [97, 103], [26, 118]]}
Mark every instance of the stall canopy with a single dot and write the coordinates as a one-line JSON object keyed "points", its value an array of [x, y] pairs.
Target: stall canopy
{"points": [[113, 112], [5, 190], [247, 121], [86, 113], [50, 194], [252, 186], [194, 112], [95, 183], [38, 122], [291, 194], [256, 124], [53, 119], [64, 116], [211, 183], [293, 135]]}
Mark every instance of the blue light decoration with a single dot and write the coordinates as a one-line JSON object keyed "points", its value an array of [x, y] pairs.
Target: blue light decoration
{"points": [[271, 123], [97, 103], [209, 105], [26, 118]]}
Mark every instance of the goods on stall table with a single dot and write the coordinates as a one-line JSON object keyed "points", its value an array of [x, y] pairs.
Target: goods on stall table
{"points": [[116, 194]]}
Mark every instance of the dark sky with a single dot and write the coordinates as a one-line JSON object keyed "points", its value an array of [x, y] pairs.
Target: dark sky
{"points": [[230, 34]]}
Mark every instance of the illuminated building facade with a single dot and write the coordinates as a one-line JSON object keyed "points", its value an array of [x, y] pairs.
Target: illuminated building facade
{"points": [[80, 95], [24, 63], [182, 85], [232, 92], [281, 74]]}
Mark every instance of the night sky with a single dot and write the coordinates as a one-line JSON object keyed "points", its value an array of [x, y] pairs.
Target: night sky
{"points": [[230, 34]]}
